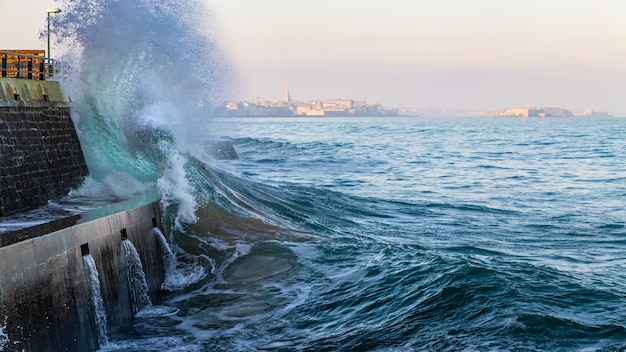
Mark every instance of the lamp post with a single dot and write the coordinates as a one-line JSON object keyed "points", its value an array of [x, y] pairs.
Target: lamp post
{"points": [[49, 11]]}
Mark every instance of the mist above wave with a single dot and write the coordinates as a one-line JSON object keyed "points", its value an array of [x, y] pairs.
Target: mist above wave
{"points": [[142, 76]]}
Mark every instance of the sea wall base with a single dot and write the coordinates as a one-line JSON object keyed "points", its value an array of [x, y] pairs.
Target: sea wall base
{"points": [[45, 299]]}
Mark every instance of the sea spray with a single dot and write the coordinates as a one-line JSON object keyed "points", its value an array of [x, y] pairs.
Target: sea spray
{"points": [[136, 277], [4, 337], [96, 298], [143, 76], [177, 275]]}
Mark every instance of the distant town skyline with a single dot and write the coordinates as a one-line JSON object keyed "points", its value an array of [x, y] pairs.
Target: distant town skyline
{"points": [[345, 107], [294, 107], [481, 54], [338, 107], [502, 111]]}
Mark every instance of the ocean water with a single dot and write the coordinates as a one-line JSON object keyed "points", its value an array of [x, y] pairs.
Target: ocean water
{"points": [[345, 234], [404, 234]]}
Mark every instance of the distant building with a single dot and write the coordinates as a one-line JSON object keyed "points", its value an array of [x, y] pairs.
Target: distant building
{"points": [[527, 111], [304, 109], [592, 113], [287, 98], [557, 112], [531, 111]]}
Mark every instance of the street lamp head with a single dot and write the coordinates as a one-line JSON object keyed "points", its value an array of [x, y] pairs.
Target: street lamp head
{"points": [[49, 11]]}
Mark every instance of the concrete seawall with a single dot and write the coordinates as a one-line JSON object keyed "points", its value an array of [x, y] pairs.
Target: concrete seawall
{"points": [[45, 299]]}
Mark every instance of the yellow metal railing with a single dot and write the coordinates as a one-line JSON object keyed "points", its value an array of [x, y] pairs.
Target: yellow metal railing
{"points": [[27, 64]]}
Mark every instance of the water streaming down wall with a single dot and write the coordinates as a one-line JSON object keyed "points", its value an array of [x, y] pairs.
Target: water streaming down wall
{"points": [[96, 298], [139, 290]]}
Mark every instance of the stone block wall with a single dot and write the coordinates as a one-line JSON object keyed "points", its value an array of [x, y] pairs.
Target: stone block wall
{"points": [[40, 154]]}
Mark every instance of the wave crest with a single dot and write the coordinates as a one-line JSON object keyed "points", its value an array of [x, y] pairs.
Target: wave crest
{"points": [[142, 75]]}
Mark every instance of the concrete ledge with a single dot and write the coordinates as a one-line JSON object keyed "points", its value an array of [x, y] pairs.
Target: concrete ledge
{"points": [[16, 92], [13, 237]]}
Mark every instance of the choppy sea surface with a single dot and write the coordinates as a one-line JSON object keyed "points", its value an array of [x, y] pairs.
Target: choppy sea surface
{"points": [[403, 234]]}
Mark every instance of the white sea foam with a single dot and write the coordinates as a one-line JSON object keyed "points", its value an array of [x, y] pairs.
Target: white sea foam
{"points": [[302, 295], [157, 311], [241, 249], [177, 275], [218, 244], [114, 187], [175, 188], [4, 337], [183, 276], [142, 76], [167, 343]]}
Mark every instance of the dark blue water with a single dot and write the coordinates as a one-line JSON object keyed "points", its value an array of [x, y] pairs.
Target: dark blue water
{"points": [[405, 234]]}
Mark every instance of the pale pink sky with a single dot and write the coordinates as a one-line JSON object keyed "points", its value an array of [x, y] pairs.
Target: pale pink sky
{"points": [[479, 54]]}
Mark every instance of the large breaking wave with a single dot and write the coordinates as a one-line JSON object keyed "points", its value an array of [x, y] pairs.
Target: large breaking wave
{"points": [[143, 76]]}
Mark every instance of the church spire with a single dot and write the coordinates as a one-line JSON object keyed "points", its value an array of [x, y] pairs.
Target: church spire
{"points": [[287, 96]]}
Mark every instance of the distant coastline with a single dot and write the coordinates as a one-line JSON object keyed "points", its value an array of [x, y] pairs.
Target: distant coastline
{"points": [[261, 107], [532, 111]]}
